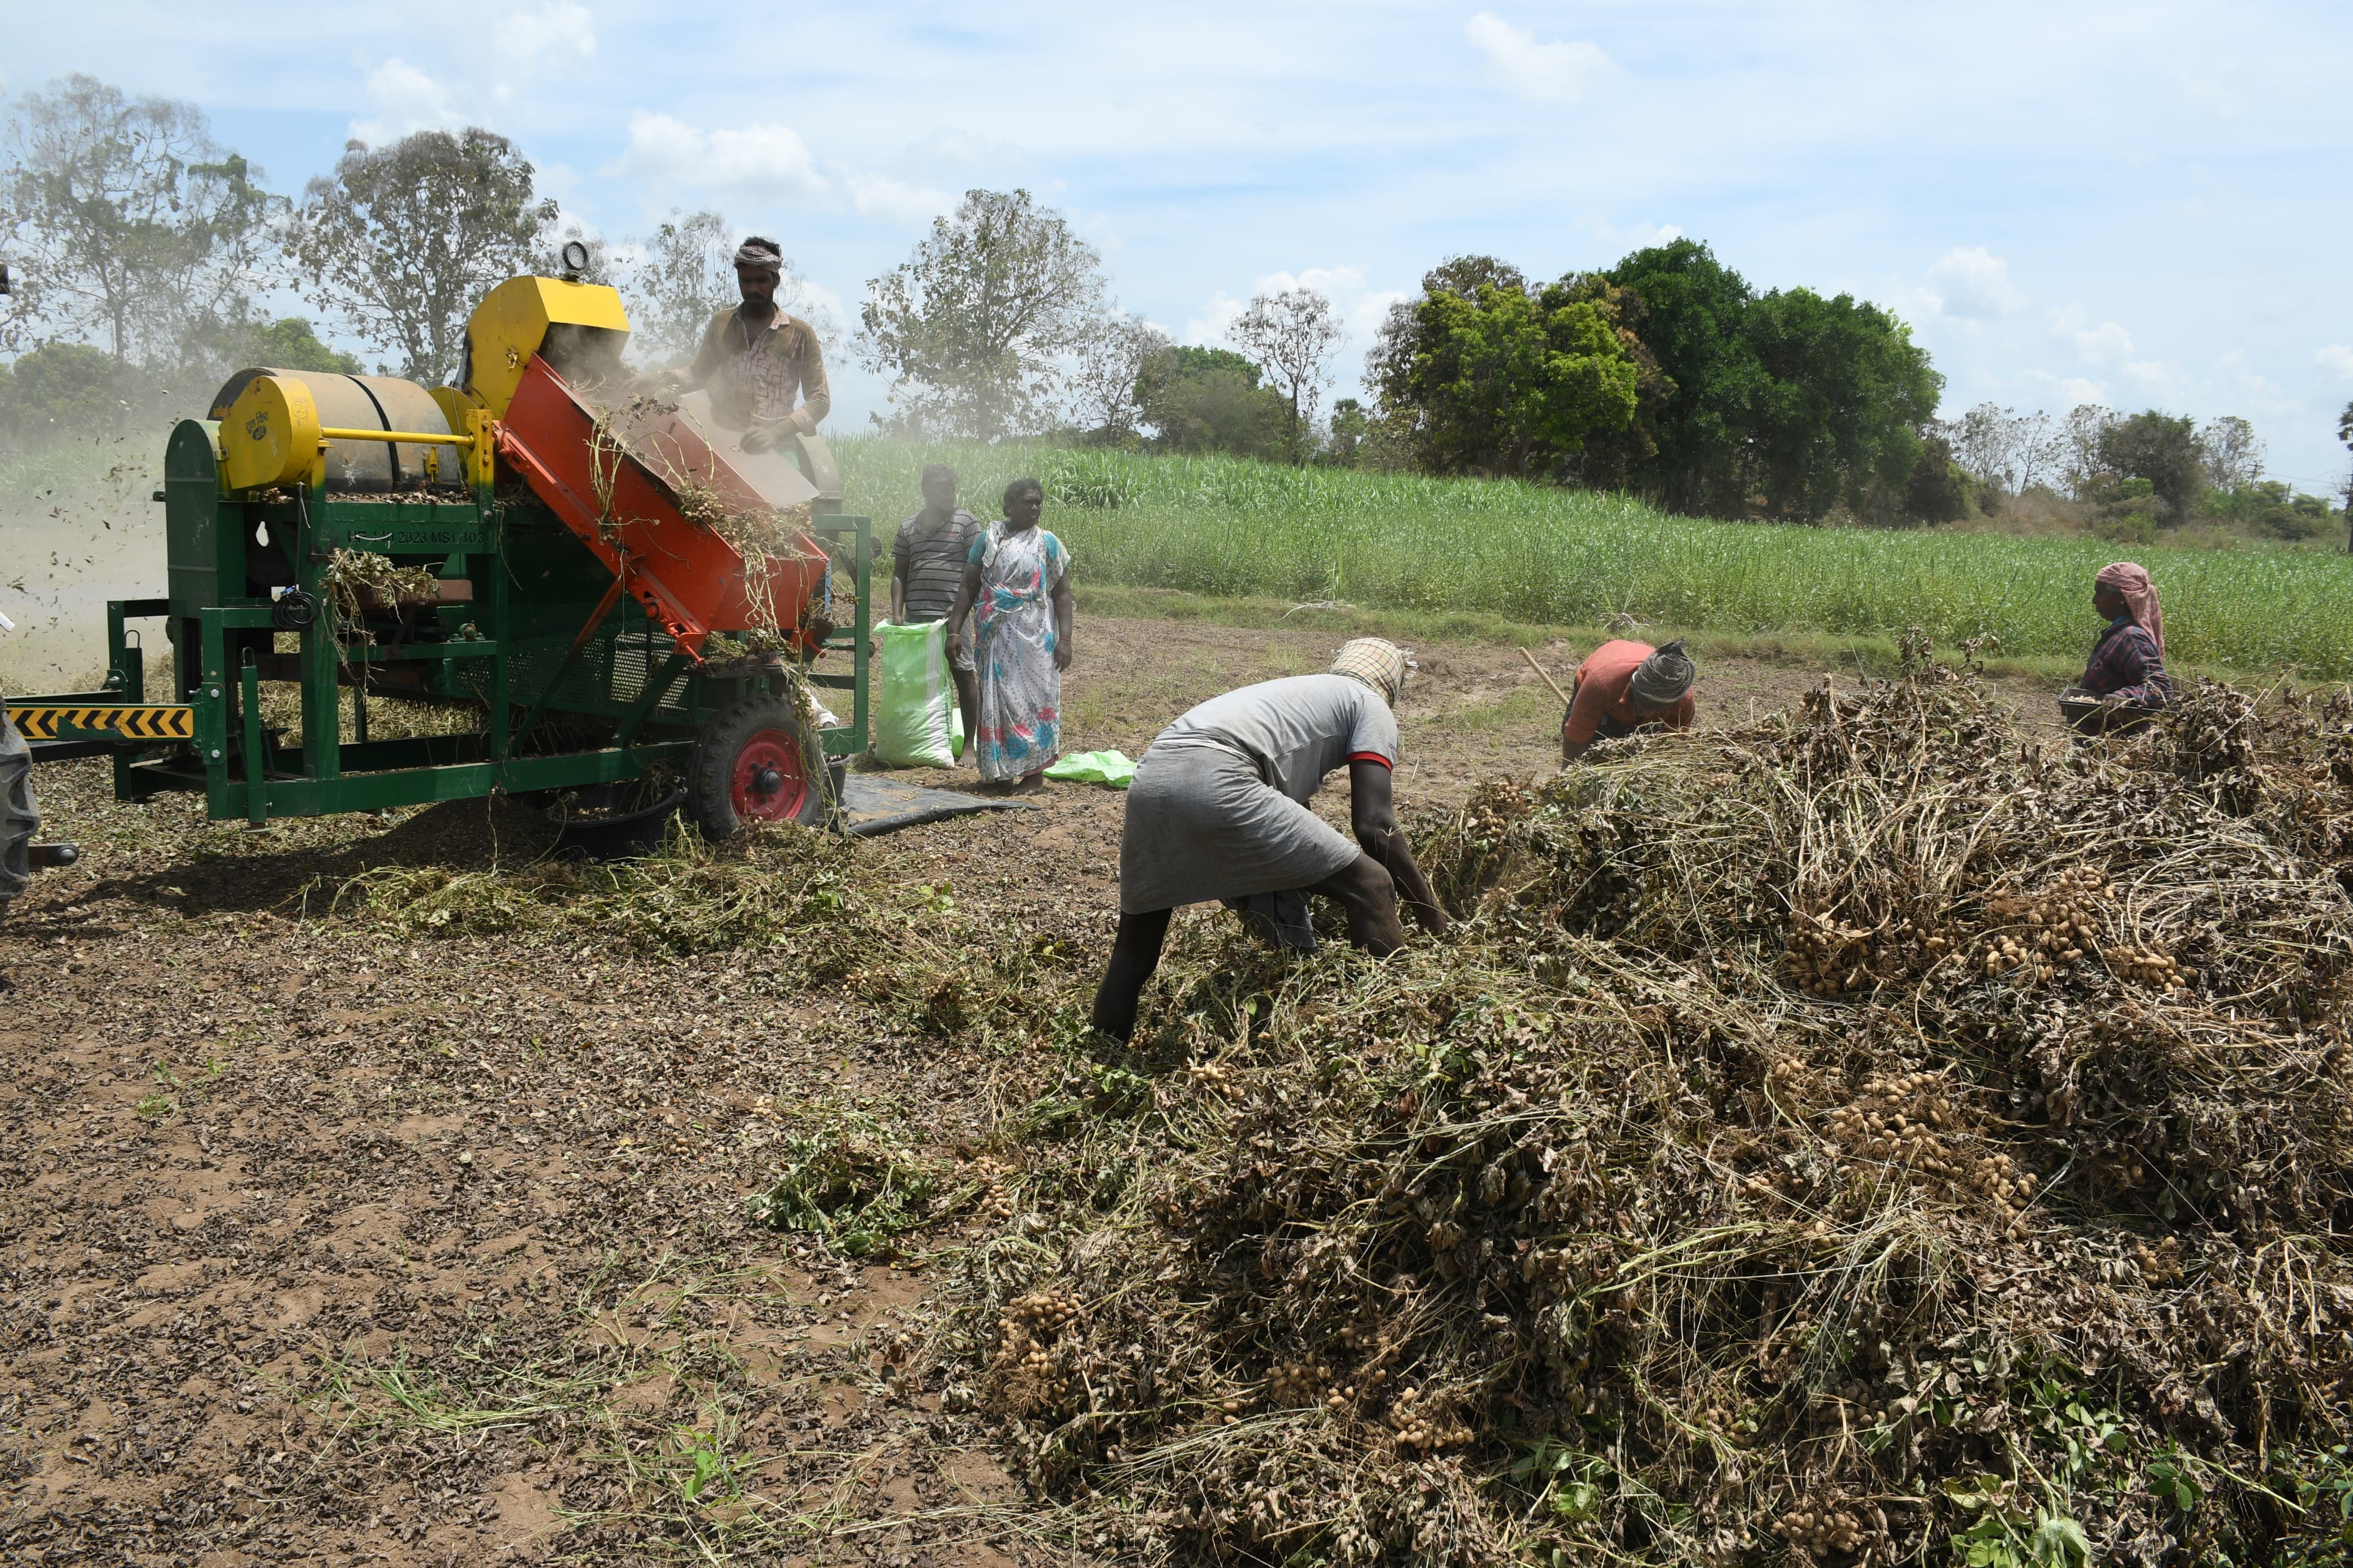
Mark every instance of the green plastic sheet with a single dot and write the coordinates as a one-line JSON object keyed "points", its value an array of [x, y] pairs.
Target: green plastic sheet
{"points": [[1112, 768]]}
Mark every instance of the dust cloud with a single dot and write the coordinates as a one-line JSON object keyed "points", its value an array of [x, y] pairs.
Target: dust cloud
{"points": [[78, 528]]}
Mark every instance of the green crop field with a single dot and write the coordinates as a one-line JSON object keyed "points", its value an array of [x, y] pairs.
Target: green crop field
{"points": [[1226, 526], [1234, 527]]}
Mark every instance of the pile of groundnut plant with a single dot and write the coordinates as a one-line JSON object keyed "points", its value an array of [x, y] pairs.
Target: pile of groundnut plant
{"points": [[1896, 1131]]}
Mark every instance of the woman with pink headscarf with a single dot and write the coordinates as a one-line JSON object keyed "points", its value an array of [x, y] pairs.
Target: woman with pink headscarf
{"points": [[2127, 664]]}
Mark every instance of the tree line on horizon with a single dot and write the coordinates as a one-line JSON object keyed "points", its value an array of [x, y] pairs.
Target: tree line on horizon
{"points": [[145, 253], [145, 257]]}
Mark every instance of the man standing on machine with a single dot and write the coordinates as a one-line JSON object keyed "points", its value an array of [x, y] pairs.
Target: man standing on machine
{"points": [[764, 369]]}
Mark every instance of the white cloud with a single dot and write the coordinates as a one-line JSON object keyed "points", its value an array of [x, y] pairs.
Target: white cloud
{"points": [[1973, 284], [561, 31], [770, 160], [2063, 392], [878, 196], [1637, 237], [2156, 375], [823, 308], [1361, 309], [2336, 359], [1216, 318], [405, 100], [559, 180], [2107, 345], [2078, 391], [2253, 392], [1557, 72], [767, 162]]}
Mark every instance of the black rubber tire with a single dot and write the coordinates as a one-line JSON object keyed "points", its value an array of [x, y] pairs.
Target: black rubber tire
{"points": [[20, 818], [712, 787]]}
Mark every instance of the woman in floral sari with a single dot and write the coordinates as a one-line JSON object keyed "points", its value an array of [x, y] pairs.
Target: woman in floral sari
{"points": [[1017, 583]]}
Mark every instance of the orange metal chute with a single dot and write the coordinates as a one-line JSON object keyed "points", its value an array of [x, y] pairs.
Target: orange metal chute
{"points": [[691, 580]]}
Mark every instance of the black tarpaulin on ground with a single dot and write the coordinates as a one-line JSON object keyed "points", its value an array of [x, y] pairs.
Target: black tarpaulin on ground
{"points": [[875, 804]]}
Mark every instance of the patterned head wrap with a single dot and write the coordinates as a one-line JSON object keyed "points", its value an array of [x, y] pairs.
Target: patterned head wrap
{"points": [[1662, 679], [2140, 597], [1379, 665], [761, 255]]}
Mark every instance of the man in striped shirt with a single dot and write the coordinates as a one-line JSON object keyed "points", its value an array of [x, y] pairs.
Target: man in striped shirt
{"points": [[927, 561]]}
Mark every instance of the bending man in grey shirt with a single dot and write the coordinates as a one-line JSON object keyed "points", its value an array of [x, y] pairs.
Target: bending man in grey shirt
{"points": [[1218, 812]]}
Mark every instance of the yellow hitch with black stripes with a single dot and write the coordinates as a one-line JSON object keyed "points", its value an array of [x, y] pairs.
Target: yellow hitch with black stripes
{"points": [[120, 722]]}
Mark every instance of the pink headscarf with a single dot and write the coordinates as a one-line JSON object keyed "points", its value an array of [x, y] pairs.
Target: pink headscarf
{"points": [[2140, 597]]}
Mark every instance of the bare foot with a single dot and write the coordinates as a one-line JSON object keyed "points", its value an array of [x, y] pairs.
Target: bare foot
{"points": [[1029, 784]]}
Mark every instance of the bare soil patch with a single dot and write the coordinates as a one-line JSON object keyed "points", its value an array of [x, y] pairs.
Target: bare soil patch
{"points": [[331, 1237]]}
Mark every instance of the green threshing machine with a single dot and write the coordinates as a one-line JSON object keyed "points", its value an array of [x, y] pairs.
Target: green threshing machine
{"points": [[502, 543]]}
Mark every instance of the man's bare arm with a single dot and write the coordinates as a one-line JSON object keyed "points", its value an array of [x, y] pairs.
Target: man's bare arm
{"points": [[1372, 811], [966, 591]]}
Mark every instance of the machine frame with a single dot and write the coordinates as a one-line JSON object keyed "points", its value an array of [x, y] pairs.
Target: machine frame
{"points": [[583, 676]]}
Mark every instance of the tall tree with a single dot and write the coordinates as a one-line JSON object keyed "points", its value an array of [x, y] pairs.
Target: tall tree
{"points": [[1398, 337], [1938, 489], [1350, 425], [1618, 459], [1694, 322], [2079, 463], [2232, 452], [1845, 395], [2161, 448], [131, 224], [1496, 379], [1198, 399], [2004, 449], [1292, 336], [62, 392], [975, 326], [684, 274], [404, 240], [1109, 364]]}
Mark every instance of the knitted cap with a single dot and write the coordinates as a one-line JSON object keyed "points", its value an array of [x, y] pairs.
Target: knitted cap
{"points": [[1662, 679]]}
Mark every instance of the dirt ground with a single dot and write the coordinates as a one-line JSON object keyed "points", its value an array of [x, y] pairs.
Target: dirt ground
{"points": [[336, 1243]]}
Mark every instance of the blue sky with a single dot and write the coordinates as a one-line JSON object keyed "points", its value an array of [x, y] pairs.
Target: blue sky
{"points": [[2140, 204]]}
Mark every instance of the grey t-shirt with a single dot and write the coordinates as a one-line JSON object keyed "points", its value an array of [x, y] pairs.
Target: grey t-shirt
{"points": [[1296, 729]]}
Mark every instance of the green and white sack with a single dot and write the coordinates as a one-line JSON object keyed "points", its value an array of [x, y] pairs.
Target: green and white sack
{"points": [[913, 725]]}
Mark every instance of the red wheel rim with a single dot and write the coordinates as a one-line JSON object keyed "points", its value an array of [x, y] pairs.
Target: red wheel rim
{"points": [[768, 782]]}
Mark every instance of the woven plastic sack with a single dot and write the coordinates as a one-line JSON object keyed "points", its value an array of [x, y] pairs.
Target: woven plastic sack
{"points": [[1112, 768], [912, 725]]}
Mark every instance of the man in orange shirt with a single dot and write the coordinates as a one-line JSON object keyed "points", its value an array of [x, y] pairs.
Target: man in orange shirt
{"points": [[1623, 686]]}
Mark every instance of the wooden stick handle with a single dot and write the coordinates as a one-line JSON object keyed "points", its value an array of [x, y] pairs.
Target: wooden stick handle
{"points": [[1548, 680]]}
